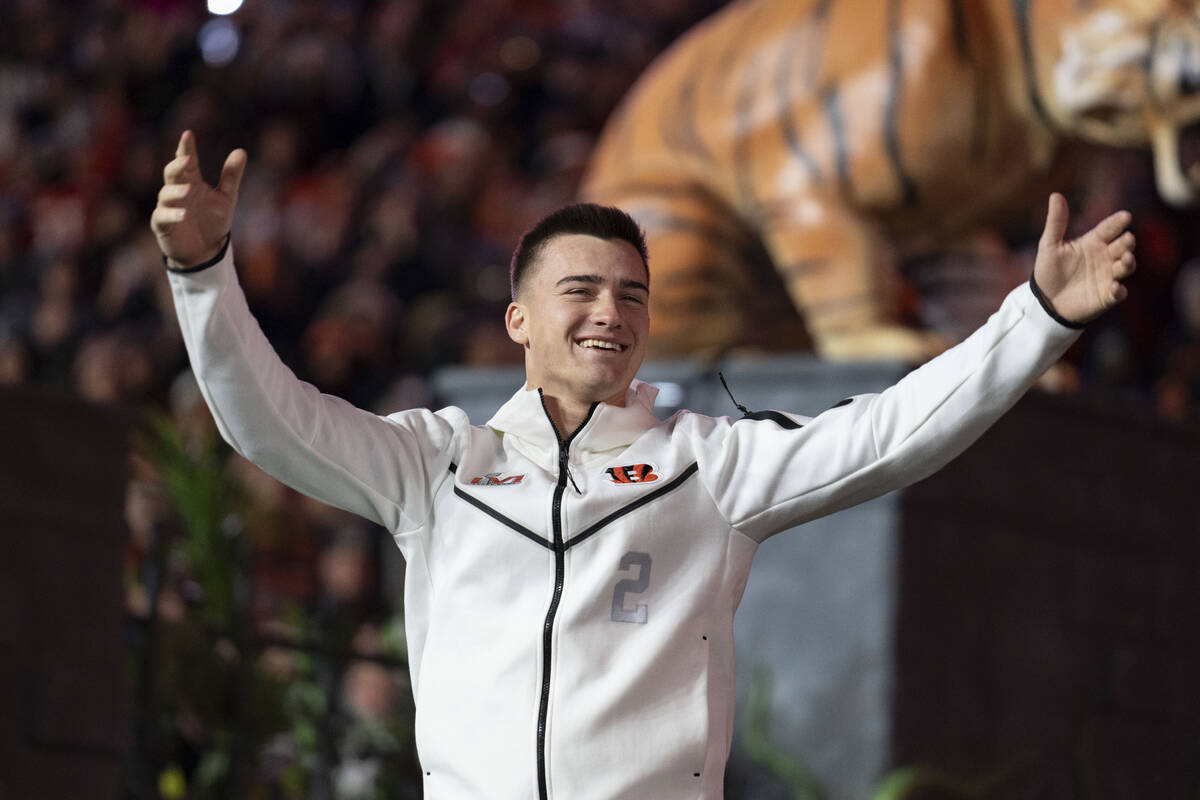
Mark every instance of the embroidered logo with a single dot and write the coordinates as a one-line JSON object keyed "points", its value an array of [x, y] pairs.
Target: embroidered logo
{"points": [[494, 479], [633, 473]]}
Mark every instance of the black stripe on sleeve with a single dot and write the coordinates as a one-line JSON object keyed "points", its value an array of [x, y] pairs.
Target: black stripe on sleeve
{"points": [[779, 419]]}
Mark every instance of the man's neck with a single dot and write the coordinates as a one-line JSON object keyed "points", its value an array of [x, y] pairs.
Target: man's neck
{"points": [[566, 414]]}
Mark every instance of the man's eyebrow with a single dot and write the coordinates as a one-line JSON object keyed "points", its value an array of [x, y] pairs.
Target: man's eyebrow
{"points": [[596, 279], [580, 279]]}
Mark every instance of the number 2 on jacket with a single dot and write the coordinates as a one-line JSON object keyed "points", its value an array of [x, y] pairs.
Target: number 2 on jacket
{"points": [[634, 585]]}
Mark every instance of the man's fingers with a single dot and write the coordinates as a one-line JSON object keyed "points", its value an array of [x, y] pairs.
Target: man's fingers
{"points": [[231, 174], [1121, 245], [187, 146], [1056, 219], [1112, 225], [173, 194], [185, 167], [181, 170], [1125, 266], [163, 218]]}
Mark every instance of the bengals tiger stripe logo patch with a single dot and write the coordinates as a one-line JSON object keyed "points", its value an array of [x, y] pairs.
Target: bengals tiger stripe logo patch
{"points": [[633, 473]]}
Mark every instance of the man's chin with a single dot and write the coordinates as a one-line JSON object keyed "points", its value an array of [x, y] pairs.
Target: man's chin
{"points": [[596, 384], [613, 392], [603, 391]]}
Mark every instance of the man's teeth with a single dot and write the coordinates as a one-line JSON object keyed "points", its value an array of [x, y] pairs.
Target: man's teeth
{"points": [[601, 344]]}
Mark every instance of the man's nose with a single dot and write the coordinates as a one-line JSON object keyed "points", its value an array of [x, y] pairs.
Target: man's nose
{"points": [[606, 311]]}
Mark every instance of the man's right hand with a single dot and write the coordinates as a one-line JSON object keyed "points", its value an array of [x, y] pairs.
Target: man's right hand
{"points": [[192, 218]]}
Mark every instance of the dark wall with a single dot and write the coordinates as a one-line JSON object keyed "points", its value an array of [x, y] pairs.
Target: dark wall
{"points": [[64, 702], [1049, 607]]}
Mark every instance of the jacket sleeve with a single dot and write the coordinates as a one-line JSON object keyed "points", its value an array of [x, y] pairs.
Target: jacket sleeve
{"points": [[378, 467], [770, 474]]}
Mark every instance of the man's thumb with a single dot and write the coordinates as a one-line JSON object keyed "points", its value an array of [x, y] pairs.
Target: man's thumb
{"points": [[1056, 219], [231, 174]]}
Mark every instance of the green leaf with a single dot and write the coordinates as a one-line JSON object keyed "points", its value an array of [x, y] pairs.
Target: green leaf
{"points": [[762, 751]]}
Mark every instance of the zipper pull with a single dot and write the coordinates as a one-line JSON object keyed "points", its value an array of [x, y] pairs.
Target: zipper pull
{"points": [[564, 467], [745, 411]]}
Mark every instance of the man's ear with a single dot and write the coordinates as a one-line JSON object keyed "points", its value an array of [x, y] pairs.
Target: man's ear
{"points": [[514, 322]]}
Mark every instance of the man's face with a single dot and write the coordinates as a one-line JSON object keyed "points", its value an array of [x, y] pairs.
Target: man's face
{"points": [[583, 318]]}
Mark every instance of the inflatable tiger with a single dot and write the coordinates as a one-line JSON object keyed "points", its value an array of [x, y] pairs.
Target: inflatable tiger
{"points": [[828, 139]]}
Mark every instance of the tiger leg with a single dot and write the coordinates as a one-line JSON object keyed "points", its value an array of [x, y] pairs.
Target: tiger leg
{"points": [[841, 276]]}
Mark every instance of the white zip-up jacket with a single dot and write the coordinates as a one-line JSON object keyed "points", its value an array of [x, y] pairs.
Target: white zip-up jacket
{"points": [[569, 604]]}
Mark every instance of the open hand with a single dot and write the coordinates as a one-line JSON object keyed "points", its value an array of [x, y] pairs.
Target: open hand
{"points": [[192, 218], [1081, 278]]}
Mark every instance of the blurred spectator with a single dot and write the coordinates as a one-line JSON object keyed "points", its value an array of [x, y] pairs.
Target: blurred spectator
{"points": [[112, 367]]}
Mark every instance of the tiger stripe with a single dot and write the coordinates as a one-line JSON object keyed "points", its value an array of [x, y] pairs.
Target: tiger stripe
{"points": [[1148, 68], [979, 88], [743, 113], [785, 109], [831, 103], [958, 26], [1029, 66], [679, 129], [891, 131]]}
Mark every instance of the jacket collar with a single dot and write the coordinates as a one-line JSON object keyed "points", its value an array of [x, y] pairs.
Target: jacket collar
{"points": [[609, 426]]}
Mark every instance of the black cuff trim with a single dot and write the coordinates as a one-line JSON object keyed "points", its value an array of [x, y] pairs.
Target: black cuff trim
{"points": [[1041, 298], [210, 263]]}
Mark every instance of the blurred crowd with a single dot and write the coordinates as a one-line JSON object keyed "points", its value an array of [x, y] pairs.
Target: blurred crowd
{"points": [[398, 148]]}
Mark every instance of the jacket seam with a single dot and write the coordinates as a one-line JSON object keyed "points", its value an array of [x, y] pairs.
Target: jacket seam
{"points": [[371, 491], [436, 484], [271, 400], [728, 522]]}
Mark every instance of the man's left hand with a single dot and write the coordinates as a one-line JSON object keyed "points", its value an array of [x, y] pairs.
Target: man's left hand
{"points": [[1081, 279]]}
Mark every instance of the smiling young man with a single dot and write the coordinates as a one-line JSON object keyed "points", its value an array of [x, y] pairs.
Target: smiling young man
{"points": [[573, 565], [580, 309]]}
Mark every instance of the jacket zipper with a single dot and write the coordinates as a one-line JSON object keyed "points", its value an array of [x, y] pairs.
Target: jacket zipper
{"points": [[564, 446]]}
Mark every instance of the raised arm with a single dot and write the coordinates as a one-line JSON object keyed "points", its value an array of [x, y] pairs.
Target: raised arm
{"points": [[374, 466], [192, 219], [768, 475], [1081, 279]]}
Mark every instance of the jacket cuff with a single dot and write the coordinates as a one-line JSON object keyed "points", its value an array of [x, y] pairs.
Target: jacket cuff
{"points": [[1045, 304], [212, 262]]}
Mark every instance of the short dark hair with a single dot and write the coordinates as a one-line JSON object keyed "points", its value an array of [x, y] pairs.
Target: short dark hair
{"points": [[603, 222]]}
